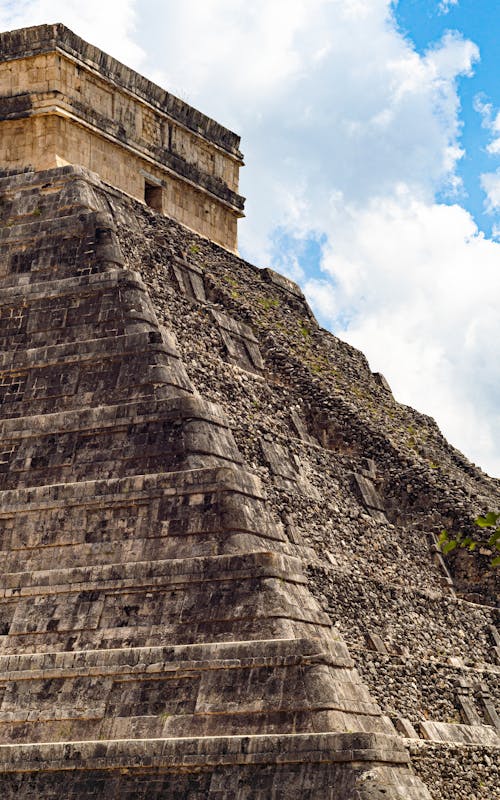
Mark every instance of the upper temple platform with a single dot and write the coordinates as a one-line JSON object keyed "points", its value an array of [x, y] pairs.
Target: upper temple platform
{"points": [[64, 101]]}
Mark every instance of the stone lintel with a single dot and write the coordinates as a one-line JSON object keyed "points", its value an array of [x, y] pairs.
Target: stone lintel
{"points": [[161, 573], [481, 735]]}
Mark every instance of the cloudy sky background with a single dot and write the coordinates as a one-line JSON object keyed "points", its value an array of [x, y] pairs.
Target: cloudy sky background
{"points": [[371, 131]]}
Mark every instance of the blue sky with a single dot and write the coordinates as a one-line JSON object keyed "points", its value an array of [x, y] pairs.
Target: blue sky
{"points": [[371, 134], [479, 20], [424, 23]]}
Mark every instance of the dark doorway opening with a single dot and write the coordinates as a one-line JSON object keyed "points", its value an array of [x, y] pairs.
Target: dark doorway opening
{"points": [[153, 196]]}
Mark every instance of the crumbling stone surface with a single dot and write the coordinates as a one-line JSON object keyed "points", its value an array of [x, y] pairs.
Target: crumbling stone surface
{"points": [[457, 773], [373, 575], [218, 530], [419, 690], [425, 484]]}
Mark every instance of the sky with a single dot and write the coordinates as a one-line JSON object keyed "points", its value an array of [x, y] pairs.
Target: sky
{"points": [[371, 134]]}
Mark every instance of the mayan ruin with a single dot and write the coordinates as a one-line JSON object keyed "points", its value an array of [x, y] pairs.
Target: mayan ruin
{"points": [[218, 527]]}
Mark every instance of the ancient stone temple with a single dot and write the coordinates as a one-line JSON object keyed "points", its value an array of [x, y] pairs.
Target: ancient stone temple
{"points": [[66, 102], [217, 526]]}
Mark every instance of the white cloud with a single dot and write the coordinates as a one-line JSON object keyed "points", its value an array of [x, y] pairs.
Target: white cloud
{"points": [[425, 313], [446, 5], [490, 183], [490, 121]]}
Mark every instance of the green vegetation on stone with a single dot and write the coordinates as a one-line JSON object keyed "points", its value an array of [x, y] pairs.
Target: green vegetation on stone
{"points": [[490, 522], [268, 302]]}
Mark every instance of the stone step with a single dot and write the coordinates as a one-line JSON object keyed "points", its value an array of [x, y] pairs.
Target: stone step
{"points": [[74, 309], [169, 572], [55, 239], [172, 658], [182, 601], [65, 184], [311, 765], [31, 223], [89, 350], [35, 208], [214, 479], [36, 204], [159, 546], [93, 723], [43, 254], [101, 370], [165, 691], [155, 635], [170, 515], [114, 441]]}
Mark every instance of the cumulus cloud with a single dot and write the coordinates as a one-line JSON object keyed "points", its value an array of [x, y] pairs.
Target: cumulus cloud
{"points": [[490, 121], [424, 314], [490, 183]]}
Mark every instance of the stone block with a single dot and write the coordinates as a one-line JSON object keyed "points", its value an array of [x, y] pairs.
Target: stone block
{"points": [[189, 279], [240, 343]]}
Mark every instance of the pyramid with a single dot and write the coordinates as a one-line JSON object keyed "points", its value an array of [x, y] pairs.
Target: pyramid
{"points": [[221, 577]]}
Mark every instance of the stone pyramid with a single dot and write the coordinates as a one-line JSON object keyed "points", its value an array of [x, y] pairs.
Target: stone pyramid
{"points": [[218, 532]]}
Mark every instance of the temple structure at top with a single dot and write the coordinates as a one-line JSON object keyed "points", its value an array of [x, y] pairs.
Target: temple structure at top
{"points": [[64, 101]]}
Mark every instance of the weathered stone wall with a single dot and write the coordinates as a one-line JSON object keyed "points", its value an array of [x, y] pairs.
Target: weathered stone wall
{"points": [[157, 632], [457, 772], [64, 102], [194, 769], [363, 484]]}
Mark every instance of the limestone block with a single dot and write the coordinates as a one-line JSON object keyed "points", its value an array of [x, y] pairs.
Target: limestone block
{"points": [[370, 496], [376, 643], [279, 460], [241, 345], [300, 428], [488, 706], [462, 734], [405, 728], [189, 279]]}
